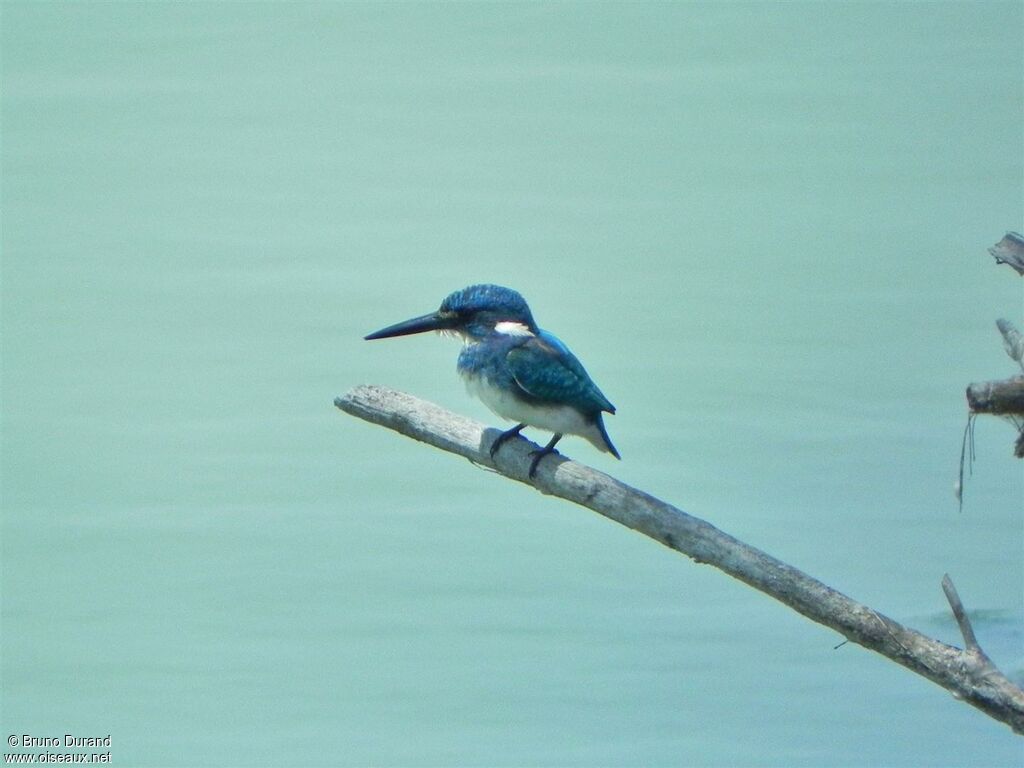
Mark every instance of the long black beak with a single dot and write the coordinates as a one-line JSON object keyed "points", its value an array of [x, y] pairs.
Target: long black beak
{"points": [[435, 321]]}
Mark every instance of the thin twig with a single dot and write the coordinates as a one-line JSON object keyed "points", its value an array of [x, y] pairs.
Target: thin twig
{"points": [[962, 620], [966, 457]]}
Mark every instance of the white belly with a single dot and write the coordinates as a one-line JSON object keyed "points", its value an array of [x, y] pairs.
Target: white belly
{"points": [[558, 419]]}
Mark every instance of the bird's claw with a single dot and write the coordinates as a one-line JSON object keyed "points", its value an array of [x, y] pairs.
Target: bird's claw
{"points": [[503, 437], [537, 456]]}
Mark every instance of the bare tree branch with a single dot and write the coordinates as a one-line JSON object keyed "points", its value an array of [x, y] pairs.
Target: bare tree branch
{"points": [[1010, 250], [970, 641], [1013, 341], [978, 663], [999, 398], [956, 670]]}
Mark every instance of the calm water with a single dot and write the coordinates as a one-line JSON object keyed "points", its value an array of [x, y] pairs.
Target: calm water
{"points": [[762, 227]]}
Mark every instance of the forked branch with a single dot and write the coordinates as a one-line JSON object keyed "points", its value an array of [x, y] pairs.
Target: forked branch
{"points": [[967, 673]]}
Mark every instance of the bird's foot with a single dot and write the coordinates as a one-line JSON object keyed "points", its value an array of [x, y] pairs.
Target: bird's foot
{"points": [[503, 437], [540, 454], [537, 456]]}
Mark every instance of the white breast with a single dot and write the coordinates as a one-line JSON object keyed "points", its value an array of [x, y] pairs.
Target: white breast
{"points": [[558, 419]]}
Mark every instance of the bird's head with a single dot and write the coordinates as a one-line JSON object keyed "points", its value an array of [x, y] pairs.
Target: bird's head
{"points": [[473, 313]]}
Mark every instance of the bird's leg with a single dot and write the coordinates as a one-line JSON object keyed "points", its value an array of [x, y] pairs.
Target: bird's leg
{"points": [[500, 439], [538, 455]]}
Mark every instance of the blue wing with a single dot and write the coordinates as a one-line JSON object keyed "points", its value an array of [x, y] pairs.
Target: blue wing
{"points": [[546, 370]]}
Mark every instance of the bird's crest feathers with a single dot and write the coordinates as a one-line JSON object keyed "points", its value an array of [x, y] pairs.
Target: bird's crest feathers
{"points": [[503, 304]]}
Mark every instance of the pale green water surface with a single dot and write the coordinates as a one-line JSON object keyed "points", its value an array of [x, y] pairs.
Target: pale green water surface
{"points": [[762, 228]]}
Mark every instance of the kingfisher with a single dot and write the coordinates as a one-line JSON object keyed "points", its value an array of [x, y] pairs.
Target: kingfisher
{"points": [[520, 371]]}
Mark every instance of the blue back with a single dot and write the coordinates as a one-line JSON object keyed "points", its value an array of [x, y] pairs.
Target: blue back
{"points": [[539, 369], [546, 370]]}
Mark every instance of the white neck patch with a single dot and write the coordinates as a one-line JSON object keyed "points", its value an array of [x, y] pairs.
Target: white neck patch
{"points": [[512, 329]]}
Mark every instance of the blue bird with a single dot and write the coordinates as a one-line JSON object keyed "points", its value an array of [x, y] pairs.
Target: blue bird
{"points": [[519, 371]]}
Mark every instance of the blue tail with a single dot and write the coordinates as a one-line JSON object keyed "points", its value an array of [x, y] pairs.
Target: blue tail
{"points": [[604, 436]]}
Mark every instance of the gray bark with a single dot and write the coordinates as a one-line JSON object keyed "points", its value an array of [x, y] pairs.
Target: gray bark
{"points": [[1000, 398], [1010, 250]]}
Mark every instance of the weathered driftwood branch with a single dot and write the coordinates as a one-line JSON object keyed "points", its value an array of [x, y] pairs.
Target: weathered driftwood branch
{"points": [[959, 671], [1003, 398], [962, 620], [1013, 340], [1010, 250], [999, 398]]}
